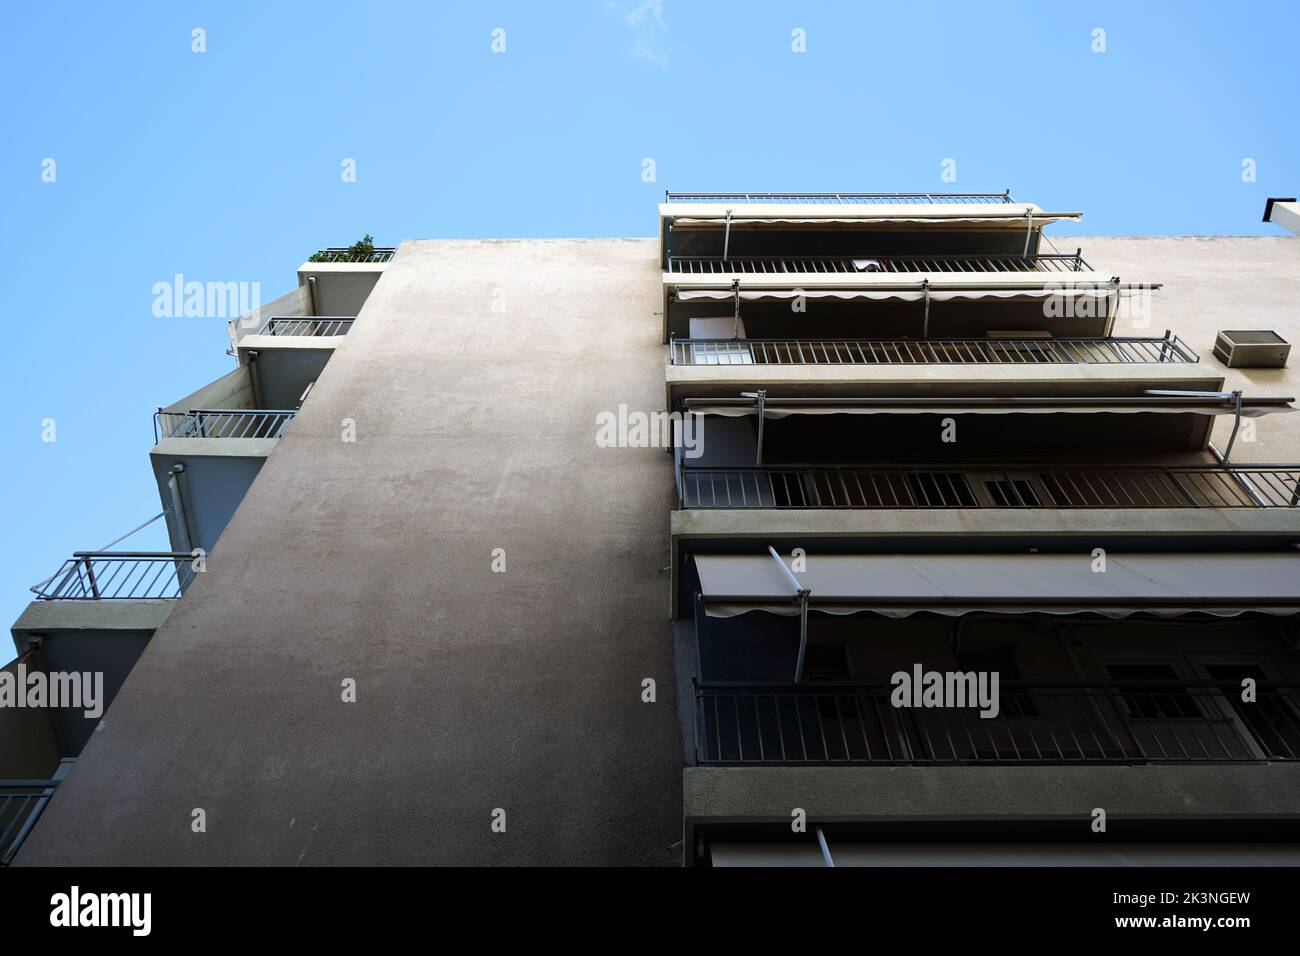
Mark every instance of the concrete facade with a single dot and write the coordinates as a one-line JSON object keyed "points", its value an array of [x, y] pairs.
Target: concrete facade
{"points": [[372, 560]]}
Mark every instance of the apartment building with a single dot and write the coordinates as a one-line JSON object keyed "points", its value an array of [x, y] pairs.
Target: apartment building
{"points": [[429, 617]]}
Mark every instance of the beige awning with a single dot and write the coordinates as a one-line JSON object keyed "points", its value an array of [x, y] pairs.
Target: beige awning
{"points": [[967, 219], [899, 585], [782, 295], [775, 408], [912, 293]]}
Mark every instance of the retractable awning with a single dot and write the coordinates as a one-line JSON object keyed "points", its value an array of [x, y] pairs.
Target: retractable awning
{"points": [[1002, 217], [898, 585], [910, 293]]}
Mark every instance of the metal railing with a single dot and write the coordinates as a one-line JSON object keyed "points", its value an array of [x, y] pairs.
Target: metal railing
{"points": [[981, 351], [1037, 723], [21, 804], [345, 254], [989, 486], [883, 199], [872, 264], [119, 576], [221, 423], [308, 325]]}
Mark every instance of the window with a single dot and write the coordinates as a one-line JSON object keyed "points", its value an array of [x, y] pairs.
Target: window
{"points": [[827, 662], [1014, 703]]}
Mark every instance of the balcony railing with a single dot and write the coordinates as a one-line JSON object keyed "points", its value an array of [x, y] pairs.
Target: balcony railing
{"points": [[1037, 723], [344, 254], [975, 486], [981, 351], [119, 576], [221, 423], [21, 804], [307, 326], [839, 199], [871, 264]]}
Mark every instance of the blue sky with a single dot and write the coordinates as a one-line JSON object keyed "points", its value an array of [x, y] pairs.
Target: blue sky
{"points": [[225, 165]]}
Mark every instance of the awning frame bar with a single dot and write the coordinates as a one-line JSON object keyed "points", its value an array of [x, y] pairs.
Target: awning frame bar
{"points": [[760, 401], [801, 594]]}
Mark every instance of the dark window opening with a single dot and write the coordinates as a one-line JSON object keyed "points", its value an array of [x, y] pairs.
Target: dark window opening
{"points": [[827, 662], [1015, 703]]}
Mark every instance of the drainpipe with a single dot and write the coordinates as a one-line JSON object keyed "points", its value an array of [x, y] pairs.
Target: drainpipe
{"points": [[311, 294], [176, 492]]}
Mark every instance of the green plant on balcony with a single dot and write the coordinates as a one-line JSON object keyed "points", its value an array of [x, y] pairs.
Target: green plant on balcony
{"points": [[359, 251]]}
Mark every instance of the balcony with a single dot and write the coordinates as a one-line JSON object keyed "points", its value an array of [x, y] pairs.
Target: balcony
{"points": [[221, 423], [297, 325], [986, 487], [1115, 722], [336, 281], [346, 254], [844, 199], [971, 351], [119, 576], [875, 264]]}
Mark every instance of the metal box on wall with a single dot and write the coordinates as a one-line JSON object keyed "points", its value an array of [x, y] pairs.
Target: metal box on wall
{"points": [[1254, 348]]}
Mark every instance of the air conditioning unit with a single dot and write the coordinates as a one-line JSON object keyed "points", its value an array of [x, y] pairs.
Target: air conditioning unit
{"points": [[1253, 348]]}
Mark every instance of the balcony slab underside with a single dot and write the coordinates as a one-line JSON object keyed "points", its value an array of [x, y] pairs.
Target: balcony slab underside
{"points": [[309, 343], [714, 795], [217, 447], [986, 522], [43, 616]]}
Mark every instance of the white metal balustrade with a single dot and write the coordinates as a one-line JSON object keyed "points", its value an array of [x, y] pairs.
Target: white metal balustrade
{"points": [[845, 198], [316, 325], [222, 423], [868, 264], [972, 351]]}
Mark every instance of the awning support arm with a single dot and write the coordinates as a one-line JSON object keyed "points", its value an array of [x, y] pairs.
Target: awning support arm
{"points": [[801, 594], [726, 237], [1029, 228], [825, 848], [925, 324], [1236, 425], [760, 399], [802, 597], [735, 327]]}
